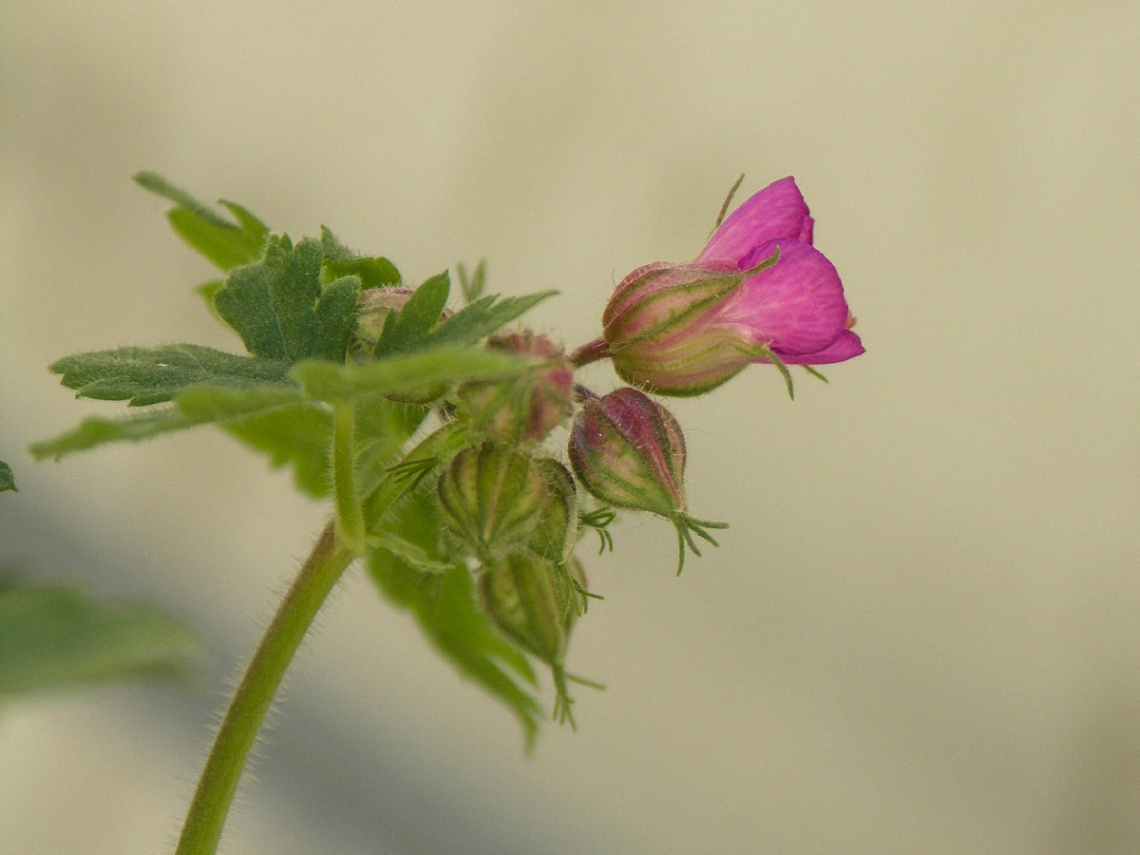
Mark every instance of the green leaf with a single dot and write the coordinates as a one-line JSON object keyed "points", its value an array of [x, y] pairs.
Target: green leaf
{"points": [[55, 636], [7, 481], [219, 403], [406, 375], [225, 244], [98, 431], [410, 328], [298, 436], [444, 605], [383, 428], [472, 285], [154, 375], [375, 272], [193, 406], [482, 318], [280, 309]]}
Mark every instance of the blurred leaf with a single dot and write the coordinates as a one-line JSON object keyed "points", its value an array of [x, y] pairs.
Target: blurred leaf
{"points": [[55, 636], [404, 375], [298, 436], [472, 285], [193, 406], [382, 429], [280, 309], [154, 375], [7, 481], [225, 244], [97, 431], [443, 602], [375, 272]]}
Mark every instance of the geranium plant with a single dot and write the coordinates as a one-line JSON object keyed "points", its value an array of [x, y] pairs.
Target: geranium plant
{"points": [[430, 426]]}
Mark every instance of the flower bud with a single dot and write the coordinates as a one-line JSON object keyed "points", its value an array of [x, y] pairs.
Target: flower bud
{"points": [[629, 451], [372, 310], [557, 530], [533, 601], [659, 336], [525, 407], [758, 292], [492, 498]]}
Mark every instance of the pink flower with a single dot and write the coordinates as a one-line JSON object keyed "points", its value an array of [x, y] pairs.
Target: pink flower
{"points": [[758, 292]]}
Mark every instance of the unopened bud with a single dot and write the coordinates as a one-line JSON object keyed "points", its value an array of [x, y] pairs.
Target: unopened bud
{"points": [[372, 310], [533, 601], [527, 406], [629, 451], [492, 498], [557, 530]]}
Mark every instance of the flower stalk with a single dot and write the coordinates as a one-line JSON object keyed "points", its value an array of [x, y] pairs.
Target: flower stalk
{"points": [[236, 737]]}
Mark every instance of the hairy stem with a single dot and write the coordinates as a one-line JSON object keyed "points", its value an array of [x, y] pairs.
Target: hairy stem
{"points": [[235, 739], [597, 349], [349, 515]]}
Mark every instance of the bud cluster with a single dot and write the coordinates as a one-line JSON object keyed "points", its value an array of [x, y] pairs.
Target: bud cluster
{"points": [[758, 292]]}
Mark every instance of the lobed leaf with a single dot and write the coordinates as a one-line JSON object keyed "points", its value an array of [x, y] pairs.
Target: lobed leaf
{"points": [[54, 636], [193, 406], [95, 431], [225, 244], [383, 428], [339, 260], [154, 375], [280, 308], [404, 375]]}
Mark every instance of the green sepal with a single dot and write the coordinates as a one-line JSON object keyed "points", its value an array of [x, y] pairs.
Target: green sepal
{"points": [[444, 605], [154, 375], [53, 636], [766, 353], [814, 373], [225, 244]]}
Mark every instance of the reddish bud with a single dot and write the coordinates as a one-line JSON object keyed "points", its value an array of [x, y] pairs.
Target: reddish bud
{"points": [[526, 407], [629, 451]]}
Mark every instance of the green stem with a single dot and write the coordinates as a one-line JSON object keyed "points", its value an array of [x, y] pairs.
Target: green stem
{"points": [[349, 515], [216, 789]]}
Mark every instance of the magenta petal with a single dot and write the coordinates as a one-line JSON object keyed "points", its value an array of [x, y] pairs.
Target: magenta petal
{"points": [[847, 346], [777, 211], [807, 230], [794, 307]]}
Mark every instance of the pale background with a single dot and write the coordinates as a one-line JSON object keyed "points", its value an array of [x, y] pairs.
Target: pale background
{"points": [[920, 633]]}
